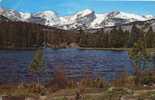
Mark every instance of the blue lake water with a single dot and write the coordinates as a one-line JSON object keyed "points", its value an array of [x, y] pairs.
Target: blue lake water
{"points": [[99, 63], [14, 65], [74, 62]]}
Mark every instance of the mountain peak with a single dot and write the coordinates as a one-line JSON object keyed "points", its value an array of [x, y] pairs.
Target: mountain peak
{"points": [[49, 12], [113, 13], [49, 18], [45, 13], [85, 12], [10, 14]]}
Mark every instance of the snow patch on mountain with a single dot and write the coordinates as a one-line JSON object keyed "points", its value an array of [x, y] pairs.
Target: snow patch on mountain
{"points": [[149, 17], [80, 17], [98, 22], [25, 16]]}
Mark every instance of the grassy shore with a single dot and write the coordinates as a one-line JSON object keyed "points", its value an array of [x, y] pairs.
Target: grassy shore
{"points": [[149, 50], [116, 49], [105, 49], [111, 93]]}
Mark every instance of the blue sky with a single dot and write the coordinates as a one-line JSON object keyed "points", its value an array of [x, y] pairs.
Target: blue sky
{"points": [[68, 7]]}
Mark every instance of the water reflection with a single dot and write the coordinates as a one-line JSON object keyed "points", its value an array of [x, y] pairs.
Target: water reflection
{"points": [[106, 64], [14, 64]]}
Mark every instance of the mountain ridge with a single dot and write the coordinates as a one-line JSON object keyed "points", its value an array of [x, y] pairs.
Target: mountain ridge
{"points": [[86, 19]]}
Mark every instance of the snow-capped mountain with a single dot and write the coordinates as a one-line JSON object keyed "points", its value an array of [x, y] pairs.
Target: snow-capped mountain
{"points": [[117, 18], [11, 14], [49, 18], [80, 19], [87, 19], [14, 15]]}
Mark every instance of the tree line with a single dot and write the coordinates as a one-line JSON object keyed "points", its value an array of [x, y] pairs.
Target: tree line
{"points": [[117, 38], [28, 35]]}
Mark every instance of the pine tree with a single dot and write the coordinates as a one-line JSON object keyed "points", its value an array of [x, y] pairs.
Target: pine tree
{"points": [[150, 38], [118, 38], [134, 35], [37, 63], [139, 53]]}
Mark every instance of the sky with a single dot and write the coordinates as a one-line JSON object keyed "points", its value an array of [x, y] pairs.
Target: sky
{"points": [[68, 7]]}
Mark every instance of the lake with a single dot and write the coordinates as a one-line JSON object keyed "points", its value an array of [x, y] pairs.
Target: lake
{"points": [[75, 64]]}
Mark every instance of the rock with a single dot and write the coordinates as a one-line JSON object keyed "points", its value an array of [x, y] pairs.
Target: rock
{"points": [[43, 97], [129, 98], [73, 45], [37, 98]]}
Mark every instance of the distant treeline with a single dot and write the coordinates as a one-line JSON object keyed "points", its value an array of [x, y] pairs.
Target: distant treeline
{"points": [[28, 35]]}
